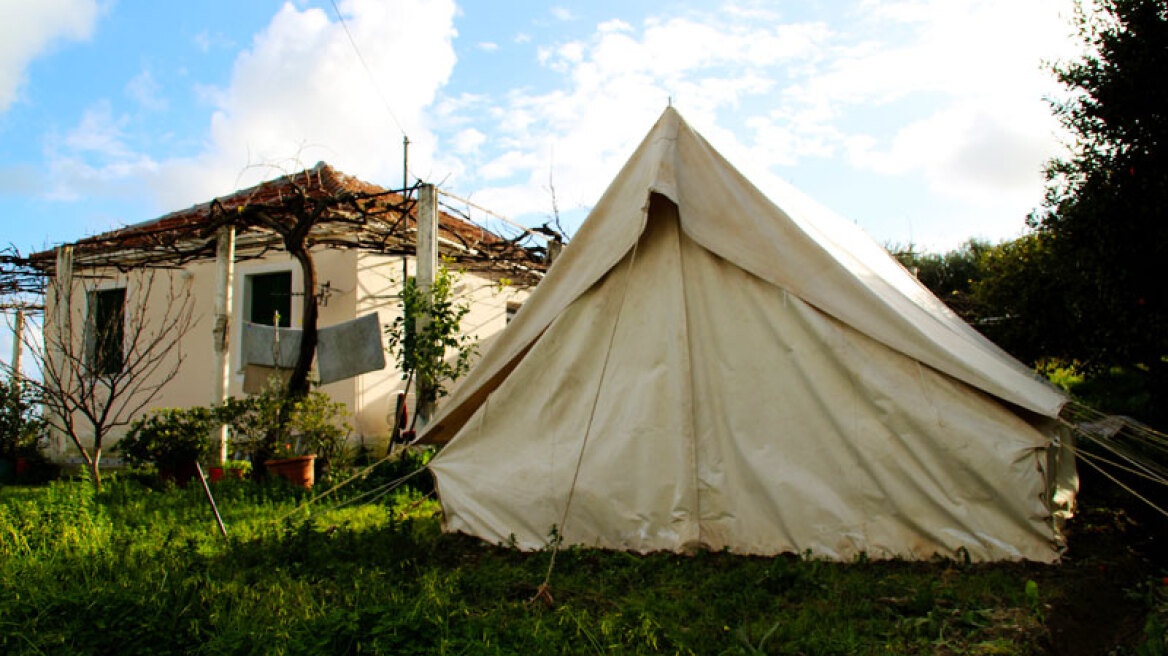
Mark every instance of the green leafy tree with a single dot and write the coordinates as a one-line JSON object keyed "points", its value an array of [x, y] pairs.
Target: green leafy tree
{"points": [[1019, 297], [950, 276], [21, 424], [1103, 230], [436, 352]]}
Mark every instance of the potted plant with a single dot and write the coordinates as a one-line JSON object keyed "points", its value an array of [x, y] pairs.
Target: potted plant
{"points": [[21, 427], [290, 463], [172, 439], [318, 422], [259, 426], [230, 469], [289, 438]]}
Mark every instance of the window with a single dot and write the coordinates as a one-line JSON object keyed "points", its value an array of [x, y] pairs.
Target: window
{"points": [[267, 294], [105, 331]]}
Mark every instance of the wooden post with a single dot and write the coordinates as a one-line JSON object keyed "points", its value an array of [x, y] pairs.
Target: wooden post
{"points": [[221, 329], [17, 342], [63, 315], [427, 266], [63, 293], [554, 248]]}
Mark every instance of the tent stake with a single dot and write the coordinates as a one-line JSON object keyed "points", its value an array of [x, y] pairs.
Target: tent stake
{"points": [[211, 499]]}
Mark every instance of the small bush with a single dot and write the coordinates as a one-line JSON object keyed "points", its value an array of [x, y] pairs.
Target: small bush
{"points": [[21, 425], [319, 424], [170, 438], [268, 425]]}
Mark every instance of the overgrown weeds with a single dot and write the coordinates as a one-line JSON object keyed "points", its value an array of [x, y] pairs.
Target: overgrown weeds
{"points": [[139, 569]]}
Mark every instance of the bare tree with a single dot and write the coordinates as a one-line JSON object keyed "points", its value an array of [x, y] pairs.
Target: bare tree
{"points": [[109, 346]]}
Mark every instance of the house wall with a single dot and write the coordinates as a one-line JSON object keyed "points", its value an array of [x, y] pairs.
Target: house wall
{"points": [[360, 283], [150, 293]]}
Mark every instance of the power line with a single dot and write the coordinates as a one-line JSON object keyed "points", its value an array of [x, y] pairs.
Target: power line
{"points": [[368, 71]]}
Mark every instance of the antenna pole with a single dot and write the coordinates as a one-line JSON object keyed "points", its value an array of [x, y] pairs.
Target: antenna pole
{"points": [[405, 161]]}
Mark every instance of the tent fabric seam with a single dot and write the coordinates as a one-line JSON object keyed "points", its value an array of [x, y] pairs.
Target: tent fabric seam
{"points": [[692, 433]]}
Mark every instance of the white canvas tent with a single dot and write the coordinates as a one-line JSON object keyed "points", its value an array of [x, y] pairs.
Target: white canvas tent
{"points": [[703, 369]]}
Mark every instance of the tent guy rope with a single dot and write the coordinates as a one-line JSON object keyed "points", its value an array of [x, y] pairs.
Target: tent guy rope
{"points": [[543, 592]]}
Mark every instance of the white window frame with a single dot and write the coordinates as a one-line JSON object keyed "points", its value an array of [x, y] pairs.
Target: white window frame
{"points": [[90, 293], [241, 295]]}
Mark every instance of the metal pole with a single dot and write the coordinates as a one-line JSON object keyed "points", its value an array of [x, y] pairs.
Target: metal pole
{"points": [[405, 162], [221, 330], [405, 190], [427, 266]]}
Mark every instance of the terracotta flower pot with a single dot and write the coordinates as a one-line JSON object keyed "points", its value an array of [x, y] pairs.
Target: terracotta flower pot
{"points": [[298, 470], [219, 473]]}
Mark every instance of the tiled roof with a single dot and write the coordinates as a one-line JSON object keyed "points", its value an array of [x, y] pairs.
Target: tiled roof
{"points": [[319, 181]]}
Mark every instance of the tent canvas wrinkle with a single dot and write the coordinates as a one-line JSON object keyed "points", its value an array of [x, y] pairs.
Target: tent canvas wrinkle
{"points": [[702, 369]]}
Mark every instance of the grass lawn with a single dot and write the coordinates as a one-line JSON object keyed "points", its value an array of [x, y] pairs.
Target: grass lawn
{"points": [[140, 569]]}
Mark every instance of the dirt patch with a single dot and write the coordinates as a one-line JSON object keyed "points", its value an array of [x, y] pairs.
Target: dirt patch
{"points": [[1115, 546]]}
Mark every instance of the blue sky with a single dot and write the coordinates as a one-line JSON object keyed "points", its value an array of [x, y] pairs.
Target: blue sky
{"points": [[920, 120]]}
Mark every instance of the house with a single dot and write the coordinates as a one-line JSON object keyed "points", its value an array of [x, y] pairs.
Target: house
{"points": [[362, 245]]}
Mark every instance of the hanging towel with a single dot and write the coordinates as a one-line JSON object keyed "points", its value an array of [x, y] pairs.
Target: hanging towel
{"points": [[260, 346], [349, 349]]}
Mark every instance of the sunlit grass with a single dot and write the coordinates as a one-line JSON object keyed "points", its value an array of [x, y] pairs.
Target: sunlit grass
{"points": [[142, 569]]}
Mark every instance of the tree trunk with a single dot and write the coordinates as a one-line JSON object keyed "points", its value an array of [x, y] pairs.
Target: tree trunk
{"points": [[298, 383], [95, 469]]}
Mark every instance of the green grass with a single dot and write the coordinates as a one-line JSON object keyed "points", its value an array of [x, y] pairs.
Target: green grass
{"points": [[142, 570]]}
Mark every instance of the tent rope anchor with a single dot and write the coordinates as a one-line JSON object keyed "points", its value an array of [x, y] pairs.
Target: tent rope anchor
{"points": [[543, 592]]}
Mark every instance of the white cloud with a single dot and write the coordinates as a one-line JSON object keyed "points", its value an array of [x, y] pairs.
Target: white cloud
{"points": [[562, 13], [614, 84], [944, 96], [99, 131], [96, 159], [614, 25], [468, 141], [206, 41], [487, 46], [146, 91], [76, 177], [300, 94], [505, 165], [29, 29], [988, 131], [297, 95]]}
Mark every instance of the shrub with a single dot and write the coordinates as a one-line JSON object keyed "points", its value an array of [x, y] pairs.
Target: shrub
{"points": [[265, 425], [170, 438], [423, 350], [21, 425], [319, 424]]}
